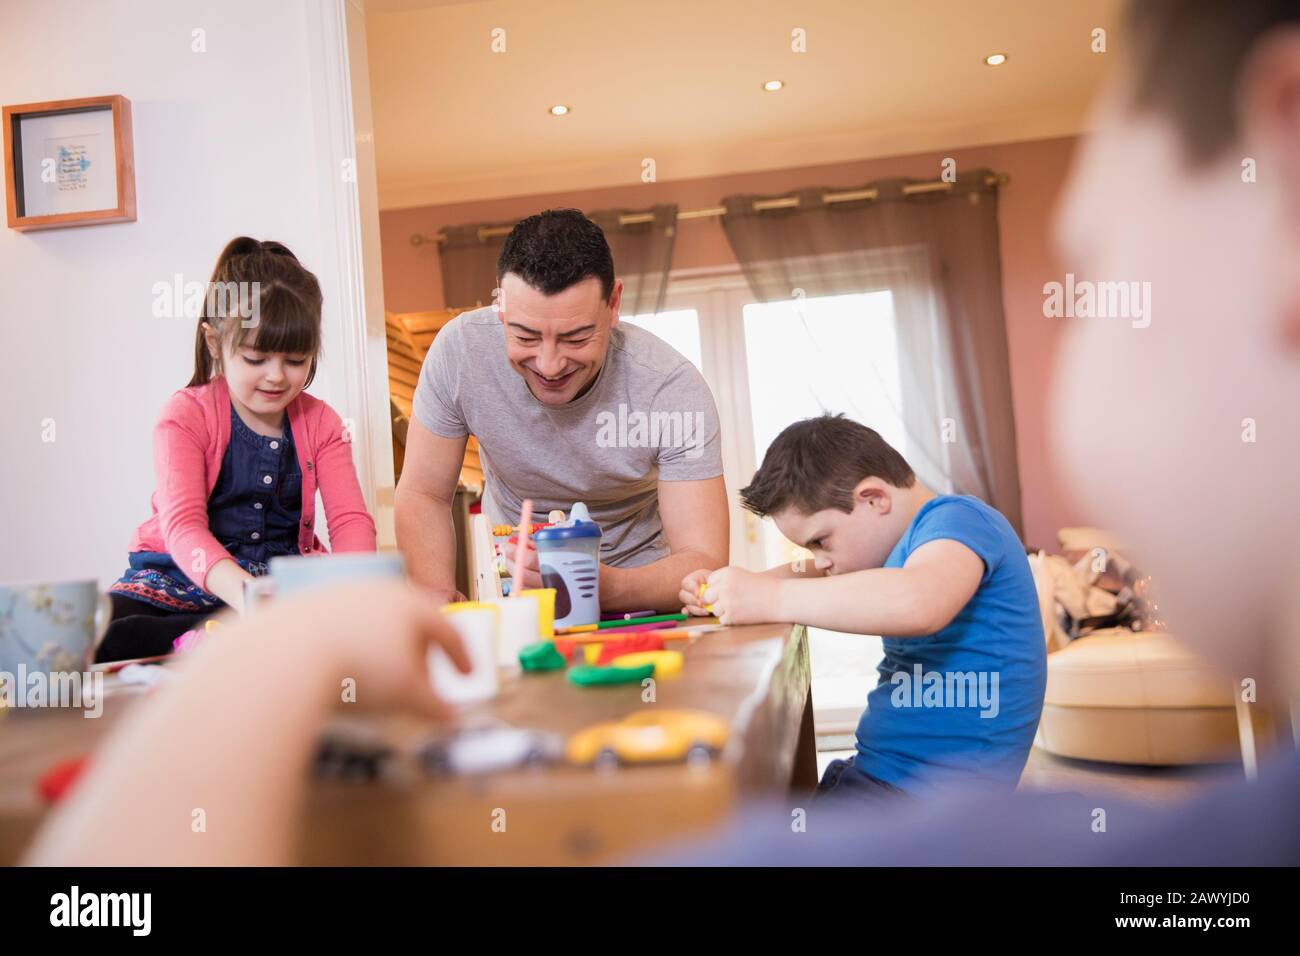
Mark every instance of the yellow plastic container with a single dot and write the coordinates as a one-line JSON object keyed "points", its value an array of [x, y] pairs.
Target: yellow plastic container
{"points": [[545, 610]]}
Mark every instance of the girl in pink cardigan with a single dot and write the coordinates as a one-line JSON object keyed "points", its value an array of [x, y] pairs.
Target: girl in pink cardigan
{"points": [[238, 457]]}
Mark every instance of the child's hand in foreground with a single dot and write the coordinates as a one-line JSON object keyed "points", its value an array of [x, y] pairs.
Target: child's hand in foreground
{"points": [[690, 593], [376, 633], [741, 597]]}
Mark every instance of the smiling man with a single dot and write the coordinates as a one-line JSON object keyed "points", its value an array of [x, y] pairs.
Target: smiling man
{"points": [[567, 405]]}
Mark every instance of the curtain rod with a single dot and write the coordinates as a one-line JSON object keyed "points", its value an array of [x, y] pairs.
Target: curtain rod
{"points": [[760, 205]]}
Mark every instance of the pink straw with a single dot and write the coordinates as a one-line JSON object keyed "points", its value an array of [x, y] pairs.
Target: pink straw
{"points": [[521, 546]]}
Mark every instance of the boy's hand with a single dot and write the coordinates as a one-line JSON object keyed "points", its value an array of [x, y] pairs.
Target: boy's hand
{"points": [[690, 593], [742, 597]]}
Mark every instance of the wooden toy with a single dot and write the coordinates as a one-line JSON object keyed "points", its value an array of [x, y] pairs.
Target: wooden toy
{"points": [[521, 547], [485, 578]]}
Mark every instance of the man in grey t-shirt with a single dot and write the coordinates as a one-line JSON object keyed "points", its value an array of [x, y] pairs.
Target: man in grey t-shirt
{"points": [[567, 405]]}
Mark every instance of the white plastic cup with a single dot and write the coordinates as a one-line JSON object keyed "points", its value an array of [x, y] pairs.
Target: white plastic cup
{"points": [[518, 628], [478, 625]]}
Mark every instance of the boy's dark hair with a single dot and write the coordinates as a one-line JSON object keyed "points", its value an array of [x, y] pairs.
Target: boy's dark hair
{"points": [[815, 464], [555, 249], [287, 298], [1186, 61]]}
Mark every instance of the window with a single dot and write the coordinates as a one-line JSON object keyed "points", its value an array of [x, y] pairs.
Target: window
{"points": [[809, 357], [680, 328]]}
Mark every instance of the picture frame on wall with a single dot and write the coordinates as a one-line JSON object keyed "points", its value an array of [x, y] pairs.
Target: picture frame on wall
{"points": [[69, 163]]}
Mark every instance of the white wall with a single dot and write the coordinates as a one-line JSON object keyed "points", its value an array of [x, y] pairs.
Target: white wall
{"points": [[238, 139]]}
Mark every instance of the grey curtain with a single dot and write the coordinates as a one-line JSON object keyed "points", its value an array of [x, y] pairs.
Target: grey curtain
{"points": [[642, 251], [468, 259], [937, 252], [643, 255]]}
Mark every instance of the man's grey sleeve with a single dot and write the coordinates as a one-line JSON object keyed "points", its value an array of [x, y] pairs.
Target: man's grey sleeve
{"points": [[690, 441], [435, 405]]}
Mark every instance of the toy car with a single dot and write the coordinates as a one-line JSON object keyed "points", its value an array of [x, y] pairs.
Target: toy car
{"points": [[490, 748], [653, 736]]}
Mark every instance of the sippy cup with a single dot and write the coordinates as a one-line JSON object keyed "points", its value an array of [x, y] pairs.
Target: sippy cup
{"points": [[569, 557]]}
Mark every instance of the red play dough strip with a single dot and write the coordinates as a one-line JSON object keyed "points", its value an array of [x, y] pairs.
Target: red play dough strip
{"points": [[58, 780]]}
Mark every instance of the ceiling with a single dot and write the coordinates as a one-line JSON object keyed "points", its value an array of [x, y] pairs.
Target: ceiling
{"points": [[680, 81]]}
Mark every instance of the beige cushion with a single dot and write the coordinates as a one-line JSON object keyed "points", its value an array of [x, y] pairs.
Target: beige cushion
{"points": [[1133, 669], [1153, 736]]}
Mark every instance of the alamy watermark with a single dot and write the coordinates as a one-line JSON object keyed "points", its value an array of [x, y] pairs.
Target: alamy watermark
{"points": [[39, 688], [130, 910], [626, 429], [947, 689], [180, 299], [1098, 300]]}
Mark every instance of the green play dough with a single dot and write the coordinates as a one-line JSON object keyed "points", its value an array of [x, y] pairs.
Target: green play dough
{"points": [[541, 656], [586, 675]]}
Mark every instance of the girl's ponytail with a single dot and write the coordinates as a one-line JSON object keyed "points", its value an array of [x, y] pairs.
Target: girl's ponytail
{"points": [[287, 298]]}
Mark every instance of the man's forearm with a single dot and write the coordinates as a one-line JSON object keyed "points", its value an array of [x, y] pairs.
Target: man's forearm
{"points": [[655, 585], [426, 536]]}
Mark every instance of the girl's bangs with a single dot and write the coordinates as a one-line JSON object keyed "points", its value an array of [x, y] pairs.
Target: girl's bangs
{"points": [[280, 323]]}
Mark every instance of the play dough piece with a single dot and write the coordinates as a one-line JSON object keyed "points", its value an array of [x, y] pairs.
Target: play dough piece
{"points": [[704, 586], [667, 664], [632, 644], [58, 779], [541, 656], [588, 676]]}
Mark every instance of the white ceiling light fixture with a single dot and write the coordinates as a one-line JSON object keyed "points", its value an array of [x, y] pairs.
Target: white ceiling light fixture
{"points": [[773, 85], [559, 109], [995, 59]]}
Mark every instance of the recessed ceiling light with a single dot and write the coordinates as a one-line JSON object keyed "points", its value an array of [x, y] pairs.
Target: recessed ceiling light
{"points": [[559, 109], [997, 59], [773, 85]]}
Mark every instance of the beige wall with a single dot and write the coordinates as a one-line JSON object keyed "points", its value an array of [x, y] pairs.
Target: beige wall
{"points": [[1037, 170]]}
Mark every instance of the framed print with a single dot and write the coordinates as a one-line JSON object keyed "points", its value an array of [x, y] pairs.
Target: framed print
{"points": [[69, 163]]}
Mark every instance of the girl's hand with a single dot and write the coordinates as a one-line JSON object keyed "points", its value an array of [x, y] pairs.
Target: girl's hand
{"points": [[742, 597], [690, 593], [226, 580], [532, 570]]}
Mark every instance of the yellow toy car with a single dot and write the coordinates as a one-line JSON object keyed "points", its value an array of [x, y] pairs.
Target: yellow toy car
{"points": [[652, 736]]}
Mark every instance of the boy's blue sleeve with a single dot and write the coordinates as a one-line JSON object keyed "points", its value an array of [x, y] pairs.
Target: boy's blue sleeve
{"points": [[963, 522]]}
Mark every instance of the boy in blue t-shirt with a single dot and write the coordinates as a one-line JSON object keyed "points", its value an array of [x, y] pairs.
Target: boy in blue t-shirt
{"points": [[942, 578]]}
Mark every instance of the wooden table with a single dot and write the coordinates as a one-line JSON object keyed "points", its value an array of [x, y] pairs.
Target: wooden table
{"points": [[757, 677]]}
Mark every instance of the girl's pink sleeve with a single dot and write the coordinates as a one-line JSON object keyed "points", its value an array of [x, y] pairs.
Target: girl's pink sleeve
{"points": [[180, 458], [350, 526]]}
